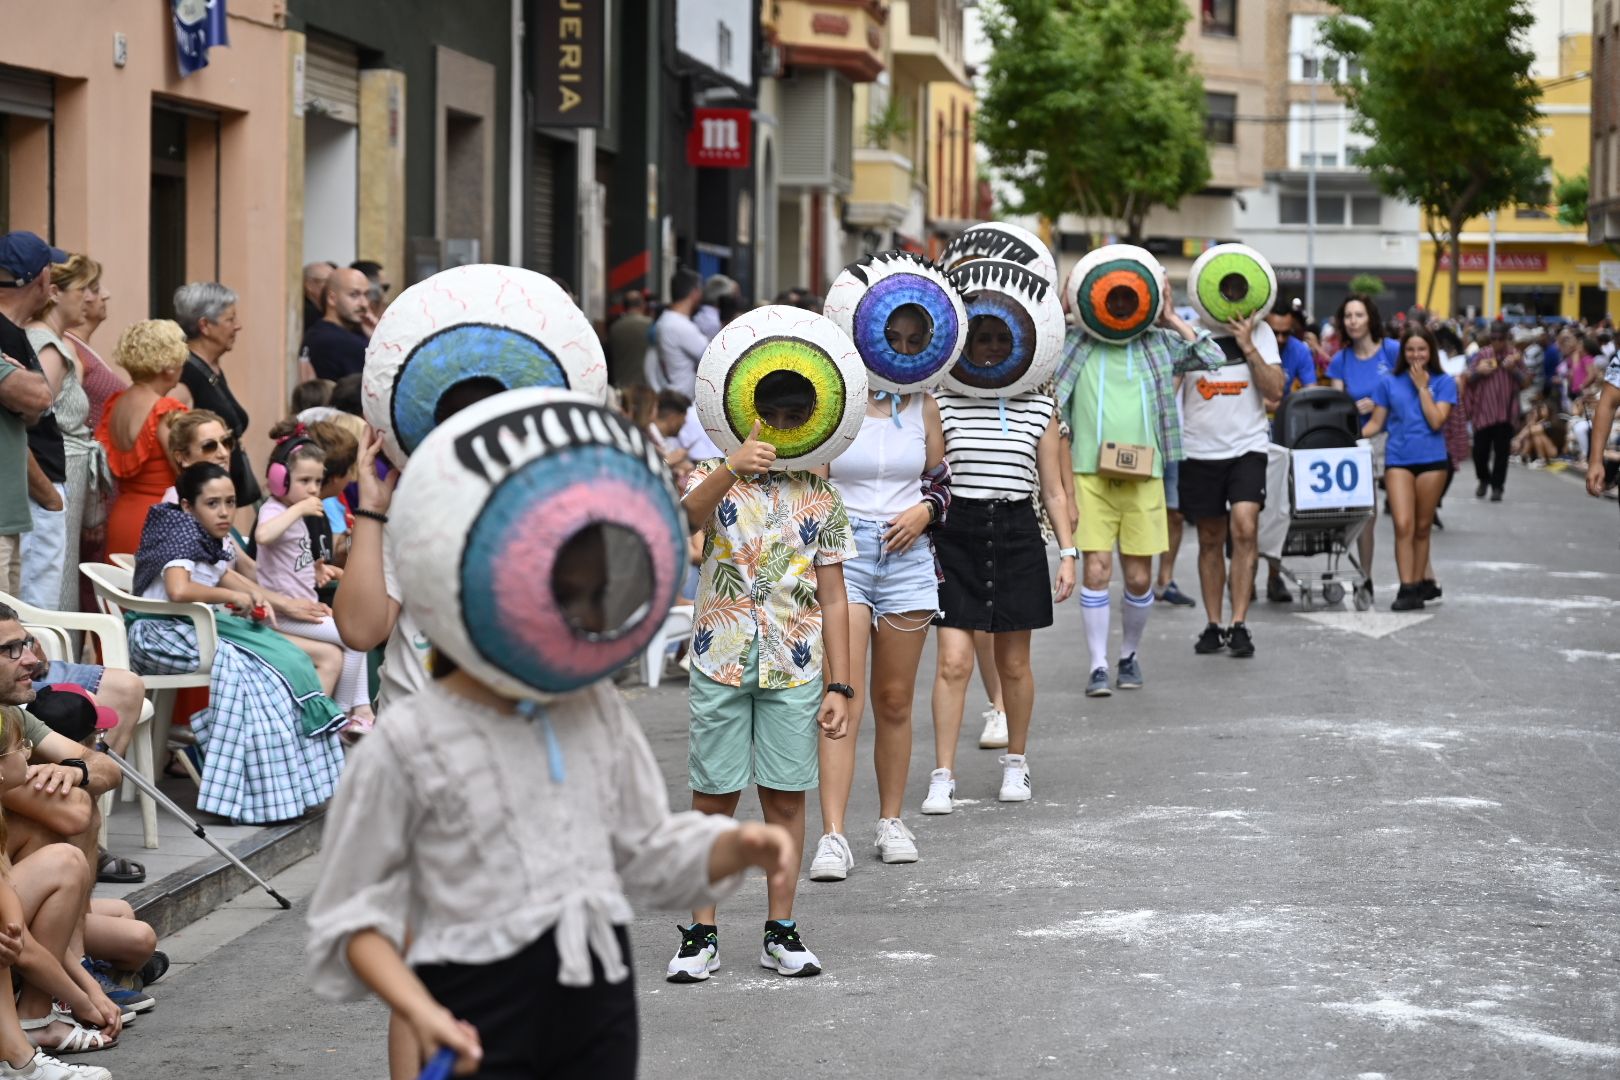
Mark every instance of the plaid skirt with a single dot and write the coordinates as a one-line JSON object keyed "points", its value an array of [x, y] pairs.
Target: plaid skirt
{"points": [[257, 766]]}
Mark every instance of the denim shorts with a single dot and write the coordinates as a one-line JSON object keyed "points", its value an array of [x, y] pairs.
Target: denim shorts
{"points": [[887, 583], [86, 675]]}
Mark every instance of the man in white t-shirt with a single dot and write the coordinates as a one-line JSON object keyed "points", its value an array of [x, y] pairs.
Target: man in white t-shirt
{"points": [[1223, 479], [680, 342]]}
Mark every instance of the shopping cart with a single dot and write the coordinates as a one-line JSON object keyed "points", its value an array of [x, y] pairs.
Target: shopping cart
{"points": [[1331, 495]]}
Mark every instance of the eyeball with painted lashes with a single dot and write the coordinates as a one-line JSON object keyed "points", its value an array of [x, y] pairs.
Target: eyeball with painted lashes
{"points": [[907, 321]]}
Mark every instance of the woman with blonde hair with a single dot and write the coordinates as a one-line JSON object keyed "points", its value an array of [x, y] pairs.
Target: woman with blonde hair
{"points": [[135, 428]]}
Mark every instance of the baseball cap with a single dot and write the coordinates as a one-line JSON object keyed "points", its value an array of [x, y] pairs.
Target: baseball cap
{"points": [[25, 256], [69, 710]]}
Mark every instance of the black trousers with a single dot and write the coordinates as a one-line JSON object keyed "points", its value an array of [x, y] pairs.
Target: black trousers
{"points": [[531, 1027], [1491, 454]]}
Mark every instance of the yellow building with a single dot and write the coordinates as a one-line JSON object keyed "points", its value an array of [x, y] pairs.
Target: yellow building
{"points": [[1542, 267]]}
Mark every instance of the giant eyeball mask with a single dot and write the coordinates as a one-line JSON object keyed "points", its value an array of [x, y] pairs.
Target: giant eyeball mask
{"points": [[998, 240], [469, 332], [1015, 330], [907, 321], [1231, 281], [1117, 292], [792, 370], [546, 541]]}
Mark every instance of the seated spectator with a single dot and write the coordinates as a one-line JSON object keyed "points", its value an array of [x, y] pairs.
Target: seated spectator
{"points": [[346, 396], [135, 426], [269, 738], [311, 394], [670, 427], [1540, 438]]}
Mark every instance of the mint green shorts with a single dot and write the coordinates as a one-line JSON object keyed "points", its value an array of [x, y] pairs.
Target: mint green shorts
{"points": [[743, 735]]}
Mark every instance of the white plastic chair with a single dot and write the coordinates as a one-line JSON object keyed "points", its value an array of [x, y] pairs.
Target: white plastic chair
{"points": [[113, 585], [53, 630], [677, 628]]}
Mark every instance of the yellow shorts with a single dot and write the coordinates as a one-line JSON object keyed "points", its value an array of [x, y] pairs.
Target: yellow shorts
{"points": [[1128, 512]]}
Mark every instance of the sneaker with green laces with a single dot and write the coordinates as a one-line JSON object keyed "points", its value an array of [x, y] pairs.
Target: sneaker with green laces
{"points": [[784, 953], [699, 954]]}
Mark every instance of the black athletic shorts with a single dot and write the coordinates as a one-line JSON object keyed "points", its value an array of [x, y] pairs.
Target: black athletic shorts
{"points": [[1209, 488]]}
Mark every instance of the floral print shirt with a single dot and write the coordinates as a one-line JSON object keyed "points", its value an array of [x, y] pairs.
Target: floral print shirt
{"points": [[761, 547]]}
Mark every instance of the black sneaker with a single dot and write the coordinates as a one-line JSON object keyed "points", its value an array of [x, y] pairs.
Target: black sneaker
{"points": [[1429, 590], [698, 956], [1479, 491], [1496, 494], [1410, 598], [784, 953], [1277, 591], [1238, 640], [1212, 640]]}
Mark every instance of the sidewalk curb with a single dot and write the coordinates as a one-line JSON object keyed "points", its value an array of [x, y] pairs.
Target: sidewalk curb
{"points": [[183, 897]]}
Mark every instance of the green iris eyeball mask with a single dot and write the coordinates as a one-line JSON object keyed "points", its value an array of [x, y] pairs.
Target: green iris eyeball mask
{"points": [[796, 373], [1231, 281]]}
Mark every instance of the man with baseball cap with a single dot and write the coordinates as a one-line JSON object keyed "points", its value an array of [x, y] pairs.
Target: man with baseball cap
{"points": [[30, 443]]}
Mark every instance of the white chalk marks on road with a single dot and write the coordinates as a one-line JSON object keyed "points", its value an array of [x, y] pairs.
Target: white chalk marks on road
{"points": [[1395, 1014], [1373, 624]]}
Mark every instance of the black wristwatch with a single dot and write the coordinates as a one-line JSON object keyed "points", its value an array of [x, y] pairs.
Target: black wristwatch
{"points": [[83, 768], [842, 689]]}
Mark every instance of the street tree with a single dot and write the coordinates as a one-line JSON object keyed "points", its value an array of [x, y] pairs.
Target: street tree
{"points": [[1443, 90], [1092, 107]]}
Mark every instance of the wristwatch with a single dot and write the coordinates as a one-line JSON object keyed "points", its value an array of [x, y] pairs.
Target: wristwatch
{"points": [[841, 689], [83, 768], [1068, 553]]}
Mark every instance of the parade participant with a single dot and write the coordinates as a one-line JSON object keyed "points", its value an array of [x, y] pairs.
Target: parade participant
{"points": [[1002, 445], [1365, 357], [770, 640], [1412, 403], [565, 544], [1116, 383], [908, 323]]}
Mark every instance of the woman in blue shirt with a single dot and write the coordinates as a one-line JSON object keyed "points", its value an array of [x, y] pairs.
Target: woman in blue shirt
{"points": [[1356, 369], [1412, 403]]}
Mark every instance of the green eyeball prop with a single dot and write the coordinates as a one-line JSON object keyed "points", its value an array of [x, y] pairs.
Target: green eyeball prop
{"points": [[792, 370], [1231, 281]]}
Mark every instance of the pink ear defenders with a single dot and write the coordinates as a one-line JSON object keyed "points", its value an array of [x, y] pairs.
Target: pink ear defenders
{"points": [[277, 476]]}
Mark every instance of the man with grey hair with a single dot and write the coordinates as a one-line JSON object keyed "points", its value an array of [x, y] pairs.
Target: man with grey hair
{"points": [[315, 275], [206, 312], [716, 291]]}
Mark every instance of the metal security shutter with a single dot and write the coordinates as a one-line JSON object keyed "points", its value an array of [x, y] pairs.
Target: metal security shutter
{"points": [[542, 206], [805, 122], [332, 78], [23, 93]]}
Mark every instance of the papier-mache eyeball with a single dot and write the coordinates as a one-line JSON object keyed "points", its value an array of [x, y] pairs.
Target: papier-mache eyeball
{"points": [[1117, 292], [1231, 281], [998, 240], [1026, 303], [826, 375], [545, 540], [502, 326], [875, 295]]}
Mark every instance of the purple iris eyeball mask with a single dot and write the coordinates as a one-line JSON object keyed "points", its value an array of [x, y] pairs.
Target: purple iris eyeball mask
{"points": [[546, 541], [897, 294], [760, 353], [1026, 306], [1003, 242], [498, 326]]}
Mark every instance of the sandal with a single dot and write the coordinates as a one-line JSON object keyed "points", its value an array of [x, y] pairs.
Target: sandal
{"points": [[81, 1040], [115, 870]]}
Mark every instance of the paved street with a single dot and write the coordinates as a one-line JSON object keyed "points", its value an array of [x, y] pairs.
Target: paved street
{"points": [[1353, 856]]}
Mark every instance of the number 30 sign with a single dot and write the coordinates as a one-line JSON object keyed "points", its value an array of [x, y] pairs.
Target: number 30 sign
{"points": [[1334, 479]]}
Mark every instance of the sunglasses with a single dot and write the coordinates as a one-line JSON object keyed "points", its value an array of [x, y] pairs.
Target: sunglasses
{"points": [[15, 650], [210, 445]]}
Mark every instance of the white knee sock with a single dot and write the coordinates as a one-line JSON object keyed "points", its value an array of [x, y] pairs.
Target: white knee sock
{"points": [[1135, 618], [1094, 610]]}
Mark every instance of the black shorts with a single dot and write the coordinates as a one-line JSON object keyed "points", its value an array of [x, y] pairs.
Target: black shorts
{"points": [[532, 1026], [1210, 488], [1419, 470], [993, 559]]}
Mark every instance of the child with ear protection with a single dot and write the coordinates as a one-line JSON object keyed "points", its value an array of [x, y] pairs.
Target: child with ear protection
{"points": [[291, 520]]}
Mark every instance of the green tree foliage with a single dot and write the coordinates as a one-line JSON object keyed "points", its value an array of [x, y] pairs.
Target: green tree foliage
{"points": [[1370, 284], [1570, 193], [1444, 91], [1092, 107]]}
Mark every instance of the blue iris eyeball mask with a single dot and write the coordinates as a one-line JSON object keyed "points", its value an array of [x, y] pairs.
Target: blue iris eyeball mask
{"points": [[547, 541], [907, 320], [498, 324], [1231, 281], [1027, 305]]}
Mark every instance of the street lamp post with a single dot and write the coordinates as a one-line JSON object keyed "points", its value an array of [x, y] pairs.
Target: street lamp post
{"points": [[1310, 197]]}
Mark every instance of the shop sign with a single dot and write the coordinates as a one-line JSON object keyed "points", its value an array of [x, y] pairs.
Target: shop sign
{"points": [[199, 25], [567, 63], [720, 139], [1513, 262]]}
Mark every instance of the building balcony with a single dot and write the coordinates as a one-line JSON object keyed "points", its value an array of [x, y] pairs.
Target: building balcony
{"points": [[882, 193], [845, 36], [925, 41]]}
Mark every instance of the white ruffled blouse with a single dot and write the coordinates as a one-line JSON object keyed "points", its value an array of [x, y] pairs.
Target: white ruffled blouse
{"points": [[449, 826]]}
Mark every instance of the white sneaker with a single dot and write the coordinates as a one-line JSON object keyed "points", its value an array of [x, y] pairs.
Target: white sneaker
{"points": [[895, 842], [833, 860], [994, 735], [941, 793], [698, 956], [1014, 778], [785, 954], [44, 1067]]}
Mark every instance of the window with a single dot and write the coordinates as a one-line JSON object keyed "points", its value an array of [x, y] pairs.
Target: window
{"points": [[1330, 209], [1220, 126], [1366, 210], [1220, 17], [1524, 211], [723, 42]]}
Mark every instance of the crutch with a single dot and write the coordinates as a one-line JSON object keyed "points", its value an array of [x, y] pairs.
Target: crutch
{"points": [[147, 787]]}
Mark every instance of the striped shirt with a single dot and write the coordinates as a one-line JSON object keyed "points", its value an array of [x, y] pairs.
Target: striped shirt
{"points": [[986, 462], [1494, 398]]}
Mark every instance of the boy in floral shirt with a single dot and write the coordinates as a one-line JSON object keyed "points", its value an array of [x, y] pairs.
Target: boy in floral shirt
{"points": [[771, 618]]}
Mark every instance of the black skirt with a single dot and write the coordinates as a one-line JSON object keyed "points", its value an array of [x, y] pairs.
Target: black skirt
{"points": [[994, 561]]}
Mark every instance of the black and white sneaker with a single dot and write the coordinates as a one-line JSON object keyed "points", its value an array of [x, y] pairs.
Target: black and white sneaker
{"points": [[1239, 641], [1212, 640], [699, 954], [784, 953]]}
